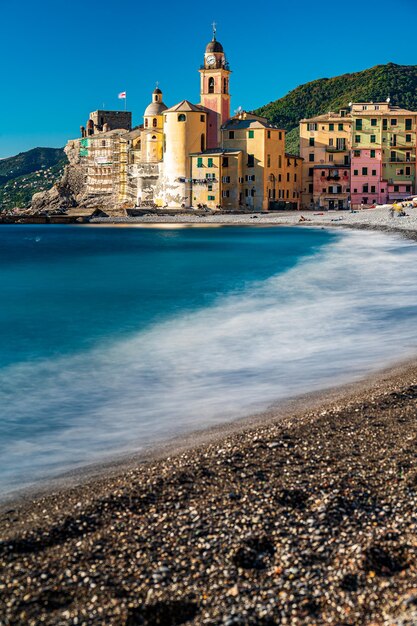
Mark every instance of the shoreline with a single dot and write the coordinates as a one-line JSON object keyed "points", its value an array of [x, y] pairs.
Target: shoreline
{"points": [[319, 504], [218, 524], [282, 412]]}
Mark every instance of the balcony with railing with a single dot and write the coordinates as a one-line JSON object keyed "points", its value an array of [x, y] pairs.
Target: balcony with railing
{"points": [[335, 148]]}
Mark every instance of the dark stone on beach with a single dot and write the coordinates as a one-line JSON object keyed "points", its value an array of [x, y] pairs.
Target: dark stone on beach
{"points": [[295, 498], [385, 560], [254, 553], [162, 613]]}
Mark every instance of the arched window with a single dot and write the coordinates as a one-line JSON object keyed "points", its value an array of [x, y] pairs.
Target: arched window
{"points": [[203, 142], [211, 85], [181, 117], [224, 85], [153, 136], [154, 122], [146, 123]]}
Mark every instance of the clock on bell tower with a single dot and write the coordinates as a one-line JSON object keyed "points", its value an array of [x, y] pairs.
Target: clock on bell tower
{"points": [[214, 89]]}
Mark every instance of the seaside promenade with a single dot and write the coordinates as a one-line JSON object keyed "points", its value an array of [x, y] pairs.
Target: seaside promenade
{"points": [[305, 515]]}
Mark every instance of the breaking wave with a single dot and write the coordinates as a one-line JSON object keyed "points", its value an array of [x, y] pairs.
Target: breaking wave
{"points": [[348, 310]]}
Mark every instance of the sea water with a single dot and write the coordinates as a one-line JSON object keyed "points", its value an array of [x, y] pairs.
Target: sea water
{"points": [[114, 339]]}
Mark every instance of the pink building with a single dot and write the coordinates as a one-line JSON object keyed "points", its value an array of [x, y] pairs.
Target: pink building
{"points": [[331, 186], [367, 186]]}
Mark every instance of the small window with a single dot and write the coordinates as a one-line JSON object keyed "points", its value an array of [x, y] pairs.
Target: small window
{"points": [[372, 154], [364, 171], [393, 121], [340, 126], [408, 138], [407, 171], [357, 138], [312, 126], [279, 161], [268, 134], [103, 143], [372, 188], [251, 160], [365, 188], [154, 122], [384, 124], [202, 118], [311, 170], [373, 138], [311, 157], [310, 188], [199, 162], [225, 179], [211, 197], [146, 123], [251, 134], [280, 135], [225, 193], [224, 85], [358, 124], [181, 117], [268, 160], [288, 177], [373, 172], [355, 172], [408, 124], [374, 121], [210, 162], [231, 134], [225, 162], [331, 127], [311, 141], [211, 85]]}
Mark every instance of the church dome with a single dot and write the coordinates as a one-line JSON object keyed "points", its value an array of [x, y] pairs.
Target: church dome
{"points": [[155, 108], [157, 90], [214, 46]]}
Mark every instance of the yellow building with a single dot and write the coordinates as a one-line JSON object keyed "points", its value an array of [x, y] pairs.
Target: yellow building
{"points": [[325, 148], [216, 178], [291, 181], [241, 161]]}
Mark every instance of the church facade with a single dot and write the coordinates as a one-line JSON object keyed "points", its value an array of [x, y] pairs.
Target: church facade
{"points": [[191, 155]]}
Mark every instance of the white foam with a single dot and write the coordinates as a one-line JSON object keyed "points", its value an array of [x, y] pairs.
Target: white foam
{"points": [[331, 319]]}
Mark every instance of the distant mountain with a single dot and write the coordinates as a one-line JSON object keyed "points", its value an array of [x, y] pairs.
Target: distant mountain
{"points": [[27, 173], [399, 82]]}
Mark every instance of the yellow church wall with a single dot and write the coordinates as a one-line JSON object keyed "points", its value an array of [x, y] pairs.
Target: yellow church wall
{"points": [[182, 137]]}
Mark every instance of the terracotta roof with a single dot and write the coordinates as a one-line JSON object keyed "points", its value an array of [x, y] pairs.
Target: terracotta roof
{"points": [[185, 106]]}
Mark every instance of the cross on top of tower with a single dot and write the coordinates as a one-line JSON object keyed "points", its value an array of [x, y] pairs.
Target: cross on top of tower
{"points": [[214, 30]]}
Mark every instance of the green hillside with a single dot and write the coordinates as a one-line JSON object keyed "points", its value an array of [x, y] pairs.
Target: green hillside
{"points": [[399, 82], [27, 173]]}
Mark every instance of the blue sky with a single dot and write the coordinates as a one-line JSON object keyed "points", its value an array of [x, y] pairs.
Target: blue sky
{"points": [[59, 60]]}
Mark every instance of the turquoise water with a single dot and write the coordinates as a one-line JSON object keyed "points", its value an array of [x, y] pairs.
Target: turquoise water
{"points": [[114, 339]]}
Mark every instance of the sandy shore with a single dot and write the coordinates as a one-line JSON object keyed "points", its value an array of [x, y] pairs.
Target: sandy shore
{"points": [[306, 516], [375, 219]]}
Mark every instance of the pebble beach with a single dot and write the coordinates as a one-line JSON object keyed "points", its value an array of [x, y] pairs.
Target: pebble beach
{"points": [[306, 515]]}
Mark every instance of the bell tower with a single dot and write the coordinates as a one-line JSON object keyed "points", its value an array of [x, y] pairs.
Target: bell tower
{"points": [[214, 89]]}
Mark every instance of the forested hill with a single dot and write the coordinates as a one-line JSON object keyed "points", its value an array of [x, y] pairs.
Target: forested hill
{"points": [[28, 172], [399, 82]]}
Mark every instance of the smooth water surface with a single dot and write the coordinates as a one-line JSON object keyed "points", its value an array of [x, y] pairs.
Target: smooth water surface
{"points": [[113, 339]]}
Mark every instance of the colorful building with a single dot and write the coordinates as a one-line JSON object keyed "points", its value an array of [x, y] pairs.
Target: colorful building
{"points": [[191, 155], [325, 145], [383, 153], [362, 156]]}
